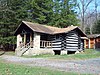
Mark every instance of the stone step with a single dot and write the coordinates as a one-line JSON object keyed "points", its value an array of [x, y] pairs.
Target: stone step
{"points": [[20, 51]]}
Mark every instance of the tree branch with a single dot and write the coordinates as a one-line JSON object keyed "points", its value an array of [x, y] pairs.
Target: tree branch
{"points": [[87, 5]]}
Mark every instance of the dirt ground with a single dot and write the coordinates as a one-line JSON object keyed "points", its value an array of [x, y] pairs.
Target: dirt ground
{"points": [[89, 66]]}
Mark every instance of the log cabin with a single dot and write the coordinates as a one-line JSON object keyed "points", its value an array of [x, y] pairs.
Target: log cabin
{"points": [[93, 41], [35, 39]]}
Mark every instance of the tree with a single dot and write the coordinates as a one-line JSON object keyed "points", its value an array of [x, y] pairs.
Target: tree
{"points": [[64, 13], [91, 16], [90, 19], [11, 13], [87, 30], [58, 13], [20, 8], [6, 18], [96, 28], [41, 11], [68, 12], [83, 6]]}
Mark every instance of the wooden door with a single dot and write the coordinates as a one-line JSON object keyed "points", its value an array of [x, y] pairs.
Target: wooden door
{"points": [[92, 43], [86, 44]]}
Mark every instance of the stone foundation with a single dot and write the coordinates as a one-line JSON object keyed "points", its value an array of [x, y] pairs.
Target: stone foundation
{"points": [[77, 52], [17, 51], [64, 52], [32, 52]]}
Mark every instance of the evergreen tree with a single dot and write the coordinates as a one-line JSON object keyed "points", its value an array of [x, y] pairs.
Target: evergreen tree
{"points": [[20, 8], [64, 14], [7, 18], [41, 11], [58, 13], [87, 30], [11, 13]]}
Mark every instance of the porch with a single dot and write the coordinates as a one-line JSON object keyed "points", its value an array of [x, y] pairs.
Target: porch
{"points": [[33, 40], [32, 43], [43, 44]]}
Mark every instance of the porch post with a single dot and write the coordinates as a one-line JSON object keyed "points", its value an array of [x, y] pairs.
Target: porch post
{"points": [[89, 43], [31, 39], [24, 39], [36, 40], [19, 40], [94, 43], [85, 44]]}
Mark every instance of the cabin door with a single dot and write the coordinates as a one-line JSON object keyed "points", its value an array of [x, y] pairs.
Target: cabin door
{"points": [[27, 38], [81, 44], [86, 44], [92, 43]]}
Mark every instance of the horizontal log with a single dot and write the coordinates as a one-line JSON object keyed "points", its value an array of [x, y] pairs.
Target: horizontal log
{"points": [[71, 42], [72, 38], [71, 49], [56, 43], [56, 48], [72, 45]]}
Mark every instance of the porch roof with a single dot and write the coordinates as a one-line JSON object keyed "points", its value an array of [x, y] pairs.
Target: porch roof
{"points": [[49, 29], [93, 35]]}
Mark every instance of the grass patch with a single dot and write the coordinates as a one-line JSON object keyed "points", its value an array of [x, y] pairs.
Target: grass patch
{"points": [[88, 54], [8, 52], [15, 69]]}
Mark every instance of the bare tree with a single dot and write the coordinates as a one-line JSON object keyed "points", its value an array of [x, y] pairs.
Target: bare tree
{"points": [[96, 5], [89, 20], [92, 17], [83, 6]]}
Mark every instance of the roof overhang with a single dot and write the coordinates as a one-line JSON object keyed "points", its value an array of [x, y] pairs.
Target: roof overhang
{"points": [[49, 29], [85, 38], [93, 35]]}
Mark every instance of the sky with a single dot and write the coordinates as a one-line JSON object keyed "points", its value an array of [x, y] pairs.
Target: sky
{"points": [[91, 7]]}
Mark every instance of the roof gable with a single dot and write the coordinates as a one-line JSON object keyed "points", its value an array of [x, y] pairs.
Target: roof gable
{"points": [[48, 29], [38, 28]]}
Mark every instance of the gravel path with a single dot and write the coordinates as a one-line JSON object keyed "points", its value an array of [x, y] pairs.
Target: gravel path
{"points": [[91, 66]]}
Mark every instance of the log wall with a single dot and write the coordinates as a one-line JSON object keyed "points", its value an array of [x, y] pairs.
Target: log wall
{"points": [[56, 43], [68, 41], [72, 41]]}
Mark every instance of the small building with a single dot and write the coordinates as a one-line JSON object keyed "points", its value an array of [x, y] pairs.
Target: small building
{"points": [[34, 39], [93, 41]]}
